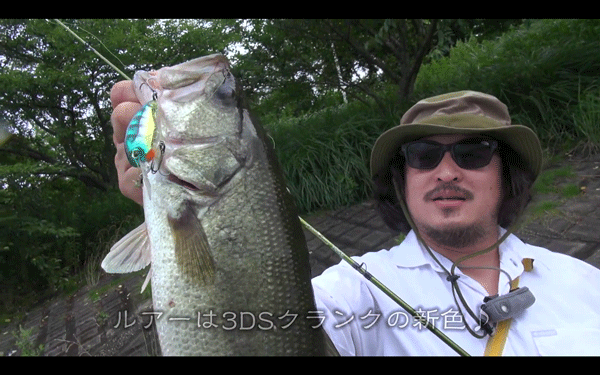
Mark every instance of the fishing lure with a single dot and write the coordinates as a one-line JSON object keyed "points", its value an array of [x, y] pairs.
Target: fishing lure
{"points": [[140, 134], [139, 140]]}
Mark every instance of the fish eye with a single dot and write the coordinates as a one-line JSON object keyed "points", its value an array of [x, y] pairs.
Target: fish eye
{"points": [[226, 92]]}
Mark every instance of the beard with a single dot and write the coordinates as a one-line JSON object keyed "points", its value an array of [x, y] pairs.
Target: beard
{"points": [[455, 235], [459, 235]]}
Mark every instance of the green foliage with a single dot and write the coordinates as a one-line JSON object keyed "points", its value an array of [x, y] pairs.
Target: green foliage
{"points": [[570, 191], [543, 209], [49, 232], [552, 181], [294, 63], [545, 70], [586, 121], [25, 342], [58, 183]]}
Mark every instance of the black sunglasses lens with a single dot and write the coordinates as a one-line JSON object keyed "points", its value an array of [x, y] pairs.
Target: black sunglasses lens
{"points": [[424, 155], [469, 154], [473, 155]]}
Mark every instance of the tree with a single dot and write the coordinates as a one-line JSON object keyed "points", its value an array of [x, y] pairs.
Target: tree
{"points": [[292, 64], [303, 59], [58, 184], [57, 176], [55, 91]]}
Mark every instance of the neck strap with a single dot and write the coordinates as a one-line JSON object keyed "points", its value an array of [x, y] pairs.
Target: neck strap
{"points": [[452, 277]]}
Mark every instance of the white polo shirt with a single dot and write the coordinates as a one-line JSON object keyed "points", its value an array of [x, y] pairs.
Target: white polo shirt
{"points": [[361, 320]]}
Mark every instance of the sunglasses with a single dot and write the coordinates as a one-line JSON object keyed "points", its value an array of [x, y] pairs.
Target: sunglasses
{"points": [[471, 153]]}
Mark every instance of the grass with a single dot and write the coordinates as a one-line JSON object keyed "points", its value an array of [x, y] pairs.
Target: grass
{"points": [[544, 209], [551, 190], [552, 181], [545, 72], [570, 191], [96, 294], [586, 121], [325, 155], [548, 179]]}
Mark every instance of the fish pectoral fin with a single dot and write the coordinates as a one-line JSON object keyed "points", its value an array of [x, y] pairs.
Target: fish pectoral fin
{"points": [[131, 253], [192, 251]]}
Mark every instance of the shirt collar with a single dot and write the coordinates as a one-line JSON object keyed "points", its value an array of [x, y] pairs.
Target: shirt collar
{"points": [[411, 253]]}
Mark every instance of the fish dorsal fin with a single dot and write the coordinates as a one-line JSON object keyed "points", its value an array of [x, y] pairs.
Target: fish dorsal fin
{"points": [[130, 254], [192, 251]]}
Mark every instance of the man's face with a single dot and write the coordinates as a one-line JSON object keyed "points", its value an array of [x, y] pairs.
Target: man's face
{"points": [[453, 206]]}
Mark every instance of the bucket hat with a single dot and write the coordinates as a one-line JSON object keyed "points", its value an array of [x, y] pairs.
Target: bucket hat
{"points": [[462, 112]]}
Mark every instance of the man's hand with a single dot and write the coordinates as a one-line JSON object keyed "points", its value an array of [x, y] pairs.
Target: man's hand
{"points": [[125, 105]]}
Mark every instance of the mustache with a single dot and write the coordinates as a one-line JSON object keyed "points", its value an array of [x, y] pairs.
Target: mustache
{"points": [[448, 186]]}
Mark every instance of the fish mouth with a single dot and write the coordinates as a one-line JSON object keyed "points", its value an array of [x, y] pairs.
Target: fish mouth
{"points": [[188, 185]]}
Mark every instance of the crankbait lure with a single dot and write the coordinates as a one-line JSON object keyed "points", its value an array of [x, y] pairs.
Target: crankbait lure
{"points": [[140, 135], [139, 140]]}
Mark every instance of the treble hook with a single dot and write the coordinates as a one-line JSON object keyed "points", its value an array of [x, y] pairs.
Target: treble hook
{"points": [[154, 93], [161, 149]]}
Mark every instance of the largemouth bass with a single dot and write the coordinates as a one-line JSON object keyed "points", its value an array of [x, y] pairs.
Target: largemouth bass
{"points": [[229, 263]]}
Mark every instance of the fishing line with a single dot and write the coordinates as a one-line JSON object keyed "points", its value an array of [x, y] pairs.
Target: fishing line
{"points": [[93, 50], [103, 45]]}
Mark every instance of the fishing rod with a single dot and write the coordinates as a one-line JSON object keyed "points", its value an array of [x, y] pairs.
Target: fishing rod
{"points": [[359, 267], [363, 271]]}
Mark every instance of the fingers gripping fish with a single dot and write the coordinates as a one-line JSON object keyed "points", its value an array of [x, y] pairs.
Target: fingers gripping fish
{"points": [[221, 231]]}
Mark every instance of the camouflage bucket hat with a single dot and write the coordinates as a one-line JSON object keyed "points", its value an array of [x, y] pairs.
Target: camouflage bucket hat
{"points": [[463, 112]]}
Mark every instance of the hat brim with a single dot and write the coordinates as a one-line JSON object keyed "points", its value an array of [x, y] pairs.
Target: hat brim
{"points": [[520, 138]]}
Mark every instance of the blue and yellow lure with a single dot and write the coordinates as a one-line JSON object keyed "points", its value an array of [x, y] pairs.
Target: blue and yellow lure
{"points": [[140, 134]]}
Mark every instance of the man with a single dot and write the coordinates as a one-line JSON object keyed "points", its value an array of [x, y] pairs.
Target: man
{"points": [[462, 171], [452, 175]]}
